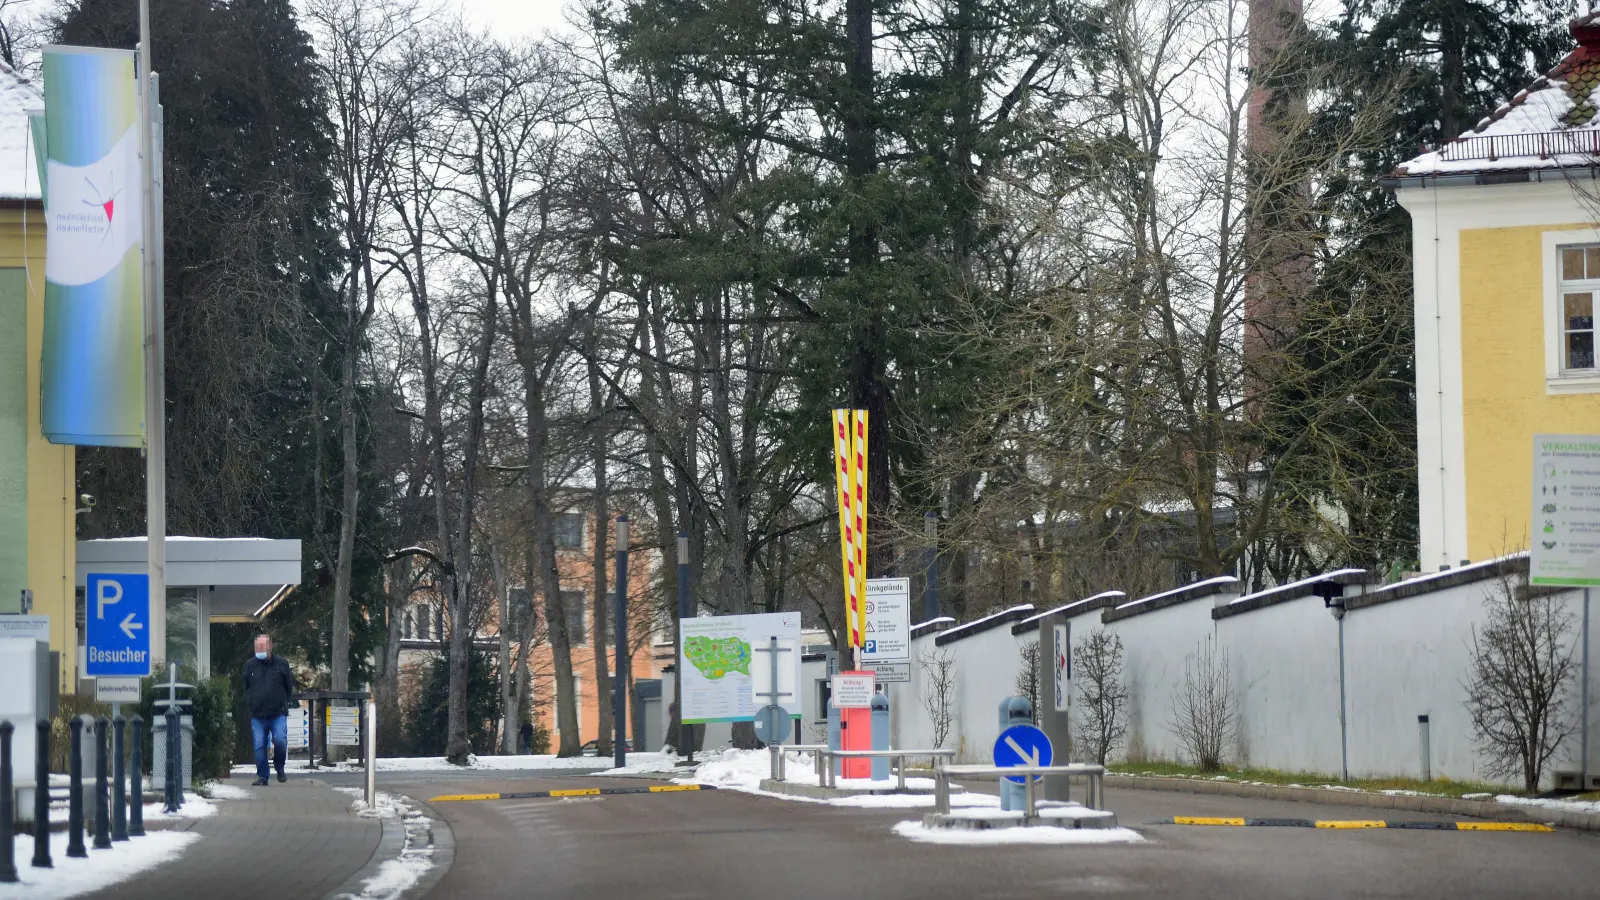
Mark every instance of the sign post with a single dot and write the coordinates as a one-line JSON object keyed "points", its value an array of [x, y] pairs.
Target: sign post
{"points": [[1055, 712], [1564, 546], [118, 617]]}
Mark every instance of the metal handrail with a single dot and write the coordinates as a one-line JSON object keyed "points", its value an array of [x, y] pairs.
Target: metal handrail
{"points": [[823, 756], [1093, 773]]}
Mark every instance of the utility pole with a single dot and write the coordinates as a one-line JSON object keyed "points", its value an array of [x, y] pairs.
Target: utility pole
{"points": [[619, 684], [685, 736], [155, 389]]}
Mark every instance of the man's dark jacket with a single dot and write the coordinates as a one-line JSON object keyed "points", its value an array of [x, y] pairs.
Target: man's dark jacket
{"points": [[267, 686]]}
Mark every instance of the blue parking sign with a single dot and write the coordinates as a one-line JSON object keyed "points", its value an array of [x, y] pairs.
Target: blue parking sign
{"points": [[117, 613]]}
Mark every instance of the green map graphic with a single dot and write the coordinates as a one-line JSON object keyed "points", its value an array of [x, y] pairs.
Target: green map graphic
{"points": [[717, 656]]}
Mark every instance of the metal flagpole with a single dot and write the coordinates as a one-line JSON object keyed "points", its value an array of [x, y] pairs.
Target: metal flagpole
{"points": [[155, 394], [619, 685]]}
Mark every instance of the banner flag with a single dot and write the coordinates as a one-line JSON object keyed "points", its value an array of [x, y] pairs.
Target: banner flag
{"points": [[92, 361], [850, 470], [858, 610]]}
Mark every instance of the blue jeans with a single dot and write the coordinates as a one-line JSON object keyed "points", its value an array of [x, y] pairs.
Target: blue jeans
{"points": [[278, 728]]}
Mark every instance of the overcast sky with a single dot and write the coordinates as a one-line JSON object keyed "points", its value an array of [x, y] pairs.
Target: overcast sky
{"points": [[516, 17]]}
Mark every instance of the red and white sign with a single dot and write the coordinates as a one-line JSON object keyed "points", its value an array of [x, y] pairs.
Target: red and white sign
{"points": [[853, 690]]}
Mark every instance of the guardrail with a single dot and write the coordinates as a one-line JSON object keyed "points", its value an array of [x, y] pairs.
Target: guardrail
{"points": [[824, 756], [1095, 775]]}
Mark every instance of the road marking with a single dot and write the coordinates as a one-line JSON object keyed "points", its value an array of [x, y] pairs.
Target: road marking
{"points": [[574, 792], [1501, 826], [1356, 824]]}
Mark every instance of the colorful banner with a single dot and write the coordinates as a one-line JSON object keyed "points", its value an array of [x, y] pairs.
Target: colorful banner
{"points": [[92, 362], [850, 455]]}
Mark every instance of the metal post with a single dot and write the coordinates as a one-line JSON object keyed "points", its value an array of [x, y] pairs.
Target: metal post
{"points": [[1427, 755], [136, 767], [930, 587], [685, 732], [155, 392], [900, 775], [1097, 789], [619, 685], [41, 795], [174, 785], [75, 848], [372, 753], [8, 817], [119, 781], [102, 813], [941, 787], [1344, 735], [1583, 730], [772, 761], [1027, 797]]}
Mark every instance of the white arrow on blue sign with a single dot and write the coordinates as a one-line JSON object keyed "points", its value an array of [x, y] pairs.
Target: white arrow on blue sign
{"points": [[118, 634], [1022, 745]]}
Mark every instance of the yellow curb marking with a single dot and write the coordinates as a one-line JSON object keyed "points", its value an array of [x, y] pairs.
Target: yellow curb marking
{"points": [[672, 788], [1206, 820], [1501, 826], [577, 792], [449, 797], [1354, 823]]}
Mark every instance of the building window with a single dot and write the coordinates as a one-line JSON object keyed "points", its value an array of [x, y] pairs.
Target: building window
{"points": [[518, 606], [405, 625], [422, 624], [572, 603], [1580, 283], [569, 531]]}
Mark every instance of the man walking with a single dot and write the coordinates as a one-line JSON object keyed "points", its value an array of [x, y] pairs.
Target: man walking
{"points": [[267, 686]]}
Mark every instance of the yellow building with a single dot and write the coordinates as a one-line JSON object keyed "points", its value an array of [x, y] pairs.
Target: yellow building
{"points": [[37, 490], [1506, 255]]}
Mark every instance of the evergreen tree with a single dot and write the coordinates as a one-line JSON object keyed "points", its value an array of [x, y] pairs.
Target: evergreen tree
{"points": [[428, 714]]}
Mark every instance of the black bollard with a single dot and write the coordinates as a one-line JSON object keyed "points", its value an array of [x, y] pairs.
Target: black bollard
{"points": [[75, 846], [41, 797], [119, 781], [174, 786], [102, 814], [136, 768], [8, 816]]}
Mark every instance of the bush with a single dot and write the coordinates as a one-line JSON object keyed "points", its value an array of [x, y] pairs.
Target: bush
{"points": [[427, 717], [212, 709]]}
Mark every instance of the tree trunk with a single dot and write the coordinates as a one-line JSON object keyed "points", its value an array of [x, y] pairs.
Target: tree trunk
{"points": [[549, 573], [508, 714]]}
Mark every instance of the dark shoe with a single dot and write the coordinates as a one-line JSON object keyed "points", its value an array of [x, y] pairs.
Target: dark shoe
{"points": [[282, 778], [259, 782]]}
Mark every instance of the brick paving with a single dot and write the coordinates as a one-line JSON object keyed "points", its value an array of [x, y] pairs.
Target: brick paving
{"points": [[289, 841]]}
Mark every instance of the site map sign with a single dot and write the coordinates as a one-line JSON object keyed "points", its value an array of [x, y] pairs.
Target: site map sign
{"points": [[1565, 526], [724, 662]]}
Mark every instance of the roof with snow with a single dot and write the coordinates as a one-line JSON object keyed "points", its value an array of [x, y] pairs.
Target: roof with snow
{"points": [[1550, 124], [19, 173]]}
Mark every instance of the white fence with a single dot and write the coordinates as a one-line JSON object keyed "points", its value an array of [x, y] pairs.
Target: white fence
{"points": [[1406, 655]]}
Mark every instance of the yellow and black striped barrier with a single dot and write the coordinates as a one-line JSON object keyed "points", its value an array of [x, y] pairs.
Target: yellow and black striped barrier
{"points": [[1353, 824], [575, 792]]}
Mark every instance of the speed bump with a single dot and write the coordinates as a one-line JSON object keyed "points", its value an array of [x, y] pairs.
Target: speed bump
{"points": [[1355, 824], [573, 792]]}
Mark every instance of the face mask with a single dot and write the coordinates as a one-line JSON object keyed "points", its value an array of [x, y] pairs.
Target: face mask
{"points": [[260, 655]]}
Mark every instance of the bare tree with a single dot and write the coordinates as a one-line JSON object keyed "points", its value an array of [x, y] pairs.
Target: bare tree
{"points": [[1027, 680], [1518, 688], [939, 691], [1205, 712], [1103, 697]]}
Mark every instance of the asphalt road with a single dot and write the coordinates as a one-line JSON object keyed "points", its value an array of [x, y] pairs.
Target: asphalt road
{"points": [[725, 844]]}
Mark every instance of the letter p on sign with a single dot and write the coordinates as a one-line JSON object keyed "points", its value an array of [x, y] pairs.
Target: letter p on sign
{"points": [[108, 594]]}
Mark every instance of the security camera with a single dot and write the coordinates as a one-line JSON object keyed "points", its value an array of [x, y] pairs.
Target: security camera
{"points": [[88, 500]]}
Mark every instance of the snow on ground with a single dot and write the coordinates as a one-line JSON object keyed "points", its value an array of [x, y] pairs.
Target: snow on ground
{"points": [[744, 770], [220, 791], [73, 877], [484, 763], [916, 831], [1588, 806], [194, 807], [394, 876]]}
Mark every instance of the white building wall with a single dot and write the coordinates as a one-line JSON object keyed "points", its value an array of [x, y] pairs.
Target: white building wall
{"points": [[1154, 647], [1284, 662]]}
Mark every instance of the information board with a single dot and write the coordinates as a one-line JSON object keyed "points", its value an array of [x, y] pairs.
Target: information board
{"points": [[1564, 529], [853, 690], [344, 725], [717, 659], [299, 728], [888, 620]]}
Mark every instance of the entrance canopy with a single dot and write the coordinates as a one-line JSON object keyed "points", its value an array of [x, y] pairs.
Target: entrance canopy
{"points": [[234, 579]]}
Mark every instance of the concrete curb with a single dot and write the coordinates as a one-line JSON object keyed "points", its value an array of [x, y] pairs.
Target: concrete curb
{"points": [[1479, 809]]}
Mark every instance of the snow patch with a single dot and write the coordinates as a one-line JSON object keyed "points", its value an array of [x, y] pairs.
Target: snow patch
{"points": [[990, 837], [1588, 806], [194, 807], [74, 877], [227, 792], [481, 763], [394, 876]]}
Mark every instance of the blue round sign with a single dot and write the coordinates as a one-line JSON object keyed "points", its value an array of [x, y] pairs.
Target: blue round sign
{"points": [[1022, 745]]}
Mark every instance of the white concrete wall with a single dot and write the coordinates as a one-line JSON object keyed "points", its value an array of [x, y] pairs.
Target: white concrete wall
{"points": [[1403, 658]]}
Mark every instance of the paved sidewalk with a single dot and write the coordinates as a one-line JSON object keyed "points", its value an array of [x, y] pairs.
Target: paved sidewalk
{"points": [[289, 841]]}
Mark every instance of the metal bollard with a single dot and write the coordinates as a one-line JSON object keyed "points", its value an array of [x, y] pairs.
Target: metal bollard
{"points": [[119, 781], [879, 723], [1097, 790], [75, 848], [102, 813], [1029, 806], [8, 817], [1427, 755], [136, 768], [1014, 710], [941, 787], [41, 797], [174, 785]]}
